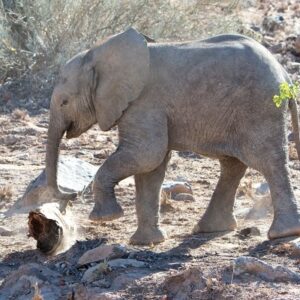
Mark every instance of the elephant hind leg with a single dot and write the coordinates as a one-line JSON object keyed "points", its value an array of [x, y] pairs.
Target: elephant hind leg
{"points": [[219, 214], [286, 221]]}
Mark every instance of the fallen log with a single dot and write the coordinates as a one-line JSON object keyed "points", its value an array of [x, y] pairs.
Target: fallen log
{"points": [[52, 230]]}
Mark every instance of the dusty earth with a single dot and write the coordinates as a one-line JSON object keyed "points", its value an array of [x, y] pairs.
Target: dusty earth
{"points": [[23, 132]]}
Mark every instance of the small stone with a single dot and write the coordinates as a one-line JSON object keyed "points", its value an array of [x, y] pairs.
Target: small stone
{"points": [[105, 252], [291, 137], [297, 45], [5, 232], [173, 188], [180, 285], [82, 292], [103, 154], [278, 48], [249, 231], [262, 188], [188, 154], [8, 140], [184, 197], [102, 283], [122, 281], [272, 23], [293, 67], [95, 273], [126, 263], [295, 247]]}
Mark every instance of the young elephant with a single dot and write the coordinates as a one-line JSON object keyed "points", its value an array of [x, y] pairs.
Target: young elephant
{"points": [[212, 96]]}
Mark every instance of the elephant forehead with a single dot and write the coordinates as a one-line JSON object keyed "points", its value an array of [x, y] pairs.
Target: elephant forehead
{"points": [[69, 75], [72, 66]]}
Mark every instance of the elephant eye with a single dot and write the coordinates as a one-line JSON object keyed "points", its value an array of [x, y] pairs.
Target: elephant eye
{"points": [[64, 102]]}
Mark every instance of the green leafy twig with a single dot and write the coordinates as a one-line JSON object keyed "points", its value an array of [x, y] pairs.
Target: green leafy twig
{"points": [[286, 92]]}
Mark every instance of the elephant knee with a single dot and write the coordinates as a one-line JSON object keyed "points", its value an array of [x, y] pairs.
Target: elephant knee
{"points": [[102, 183]]}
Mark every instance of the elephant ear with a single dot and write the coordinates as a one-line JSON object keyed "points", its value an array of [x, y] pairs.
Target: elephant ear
{"points": [[121, 66]]}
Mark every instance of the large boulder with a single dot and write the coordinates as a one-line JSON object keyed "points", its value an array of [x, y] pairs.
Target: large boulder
{"points": [[74, 175]]}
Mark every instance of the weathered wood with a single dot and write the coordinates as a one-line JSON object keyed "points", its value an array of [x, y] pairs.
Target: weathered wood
{"points": [[49, 227]]}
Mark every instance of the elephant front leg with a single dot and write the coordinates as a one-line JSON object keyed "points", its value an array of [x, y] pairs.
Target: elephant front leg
{"points": [[148, 187], [118, 166], [125, 162], [219, 214]]}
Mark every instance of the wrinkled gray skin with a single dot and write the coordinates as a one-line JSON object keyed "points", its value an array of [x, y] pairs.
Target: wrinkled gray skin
{"points": [[213, 97]]}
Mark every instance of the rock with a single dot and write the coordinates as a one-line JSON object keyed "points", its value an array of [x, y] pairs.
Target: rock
{"points": [[105, 252], [278, 48], [297, 45], [102, 283], [291, 248], [5, 232], [173, 188], [22, 283], [262, 208], [96, 272], [257, 267], [188, 154], [184, 197], [272, 23], [287, 247], [262, 201], [81, 292], [262, 188], [291, 137], [8, 140], [103, 154], [73, 176], [122, 281], [126, 263], [293, 67], [295, 247], [182, 284], [249, 231]]}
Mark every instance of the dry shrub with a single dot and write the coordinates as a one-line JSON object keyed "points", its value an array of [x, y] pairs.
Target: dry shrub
{"points": [[40, 35], [6, 192], [19, 114]]}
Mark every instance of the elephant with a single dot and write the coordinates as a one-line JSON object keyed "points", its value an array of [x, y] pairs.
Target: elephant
{"points": [[211, 96]]}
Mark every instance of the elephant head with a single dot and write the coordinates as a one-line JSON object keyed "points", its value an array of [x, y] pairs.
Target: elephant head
{"points": [[95, 86]]}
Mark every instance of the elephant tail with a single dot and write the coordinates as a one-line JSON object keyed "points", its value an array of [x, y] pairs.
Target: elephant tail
{"points": [[295, 122]]}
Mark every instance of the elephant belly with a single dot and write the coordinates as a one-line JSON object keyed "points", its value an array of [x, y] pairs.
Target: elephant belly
{"points": [[203, 142]]}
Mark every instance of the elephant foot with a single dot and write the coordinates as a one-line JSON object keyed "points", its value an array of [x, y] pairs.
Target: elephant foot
{"points": [[284, 225], [215, 224], [147, 236], [106, 213]]}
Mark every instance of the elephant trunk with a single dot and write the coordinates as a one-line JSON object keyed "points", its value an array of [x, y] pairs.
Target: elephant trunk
{"points": [[55, 134]]}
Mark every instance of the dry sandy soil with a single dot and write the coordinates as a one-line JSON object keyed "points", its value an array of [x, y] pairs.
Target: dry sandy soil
{"points": [[22, 154]]}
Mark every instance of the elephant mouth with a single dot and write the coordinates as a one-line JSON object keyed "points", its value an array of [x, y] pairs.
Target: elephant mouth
{"points": [[72, 131]]}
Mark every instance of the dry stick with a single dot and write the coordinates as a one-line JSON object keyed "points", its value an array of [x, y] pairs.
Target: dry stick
{"points": [[295, 124]]}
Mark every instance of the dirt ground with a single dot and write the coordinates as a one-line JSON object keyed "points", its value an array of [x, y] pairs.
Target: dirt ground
{"points": [[22, 153]]}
